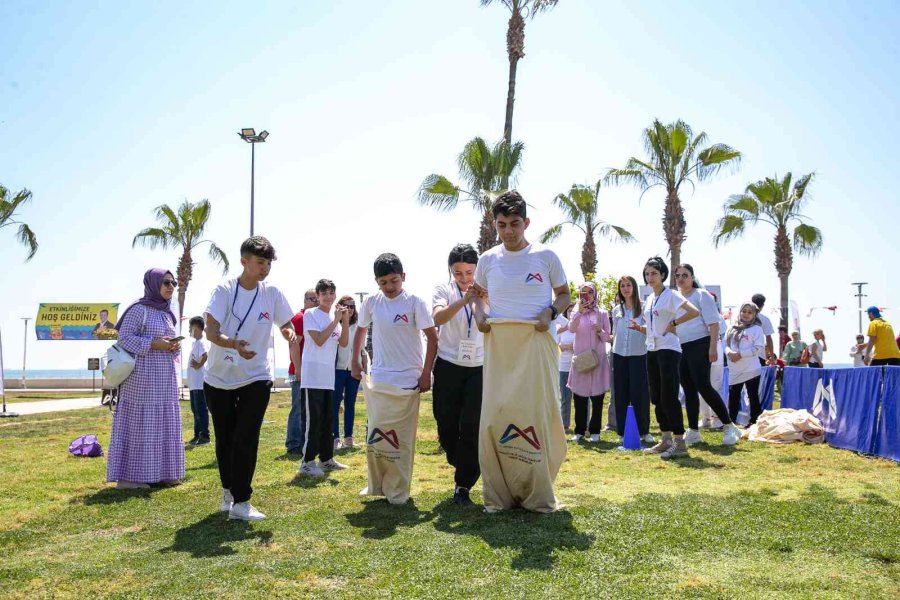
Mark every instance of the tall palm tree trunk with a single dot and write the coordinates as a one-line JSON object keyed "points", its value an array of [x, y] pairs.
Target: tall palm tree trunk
{"points": [[515, 49], [673, 227], [184, 274], [487, 236], [784, 262], [588, 254]]}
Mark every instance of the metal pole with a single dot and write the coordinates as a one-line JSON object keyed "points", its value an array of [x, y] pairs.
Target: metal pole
{"points": [[24, 350], [252, 181], [859, 295], [3, 387]]}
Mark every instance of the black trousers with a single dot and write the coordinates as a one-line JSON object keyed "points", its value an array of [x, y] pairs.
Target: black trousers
{"points": [[237, 418], [662, 379], [695, 382], [319, 437], [630, 387], [880, 362], [581, 413], [456, 402], [734, 399]]}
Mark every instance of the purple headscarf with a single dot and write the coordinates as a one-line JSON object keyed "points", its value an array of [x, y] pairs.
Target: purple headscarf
{"points": [[152, 283]]}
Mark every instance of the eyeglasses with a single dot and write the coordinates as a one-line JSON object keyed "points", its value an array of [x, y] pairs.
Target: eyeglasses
{"points": [[348, 305], [310, 298], [170, 282], [682, 275]]}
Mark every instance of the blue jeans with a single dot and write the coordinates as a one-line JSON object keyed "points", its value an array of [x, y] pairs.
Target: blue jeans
{"points": [[565, 399], [345, 388], [296, 424], [201, 414]]}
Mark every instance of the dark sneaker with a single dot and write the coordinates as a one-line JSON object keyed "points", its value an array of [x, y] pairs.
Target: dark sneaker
{"points": [[461, 497], [201, 441], [193, 441]]}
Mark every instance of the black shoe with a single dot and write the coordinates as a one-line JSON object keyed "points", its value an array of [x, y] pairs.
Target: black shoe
{"points": [[201, 441], [461, 497], [193, 441]]}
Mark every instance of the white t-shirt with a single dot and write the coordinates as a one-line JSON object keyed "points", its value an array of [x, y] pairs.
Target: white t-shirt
{"points": [[565, 357], [195, 376], [396, 337], [519, 284], [318, 362], [558, 322], [259, 309], [767, 328], [751, 344], [659, 312], [460, 327], [345, 354], [815, 352], [698, 327]]}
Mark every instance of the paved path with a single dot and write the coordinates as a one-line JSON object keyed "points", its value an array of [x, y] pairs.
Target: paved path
{"points": [[46, 406]]}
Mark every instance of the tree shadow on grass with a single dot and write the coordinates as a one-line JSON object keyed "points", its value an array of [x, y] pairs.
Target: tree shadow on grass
{"points": [[601, 446], [694, 462], [291, 456], [380, 520], [213, 464], [308, 483], [111, 495], [211, 536], [536, 536]]}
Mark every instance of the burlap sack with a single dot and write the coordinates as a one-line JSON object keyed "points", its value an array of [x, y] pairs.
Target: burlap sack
{"points": [[390, 439], [521, 438]]}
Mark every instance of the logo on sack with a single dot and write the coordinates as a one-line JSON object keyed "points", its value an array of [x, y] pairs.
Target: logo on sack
{"points": [[263, 316], [467, 357], [528, 434], [403, 318], [389, 436], [534, 277]]}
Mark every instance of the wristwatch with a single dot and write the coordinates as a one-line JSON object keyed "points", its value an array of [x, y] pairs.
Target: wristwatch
{"points": [[553, 313]]}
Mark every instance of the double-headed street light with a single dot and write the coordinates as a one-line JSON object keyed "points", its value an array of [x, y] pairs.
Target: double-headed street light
{"points": [[250, 136]]}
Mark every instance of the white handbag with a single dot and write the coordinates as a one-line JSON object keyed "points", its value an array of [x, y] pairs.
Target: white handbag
{"points": [[119, 362]]}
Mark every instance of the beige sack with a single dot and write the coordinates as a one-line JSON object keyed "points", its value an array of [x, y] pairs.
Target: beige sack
{"points": [[521, 442], [393, 415], [786, 425]]}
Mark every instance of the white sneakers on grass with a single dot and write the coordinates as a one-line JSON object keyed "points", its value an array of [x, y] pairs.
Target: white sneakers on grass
{"points": [[730, 435], [595, 438], [227, 501], [576, 438], [311, 469], [244, 511], [332, 465], [648, 439], [691, 437]]}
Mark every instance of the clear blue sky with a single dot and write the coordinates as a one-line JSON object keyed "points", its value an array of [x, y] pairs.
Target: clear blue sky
{"points": [[111, 109]]}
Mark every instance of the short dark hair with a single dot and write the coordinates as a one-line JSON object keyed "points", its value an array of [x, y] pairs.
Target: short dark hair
{"points": [[463, 253], [388, 264], [758, 299], [103, 310], [258, 246], [657, 263], [325, 285], [509, 203], [198, 321], [690, 270]]}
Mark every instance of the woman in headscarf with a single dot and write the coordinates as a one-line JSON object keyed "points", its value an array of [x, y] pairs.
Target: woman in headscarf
{"points": [[591, 327], [145, 444], [744, 344]]}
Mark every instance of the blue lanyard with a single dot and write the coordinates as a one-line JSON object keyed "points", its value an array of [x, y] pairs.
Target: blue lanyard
{"points": [[469, 314], [653, 307], [237, 287]]}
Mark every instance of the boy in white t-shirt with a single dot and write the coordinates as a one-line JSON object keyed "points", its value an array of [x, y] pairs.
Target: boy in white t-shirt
{"points": [[324, 332], [196, 372], [241, 371]]}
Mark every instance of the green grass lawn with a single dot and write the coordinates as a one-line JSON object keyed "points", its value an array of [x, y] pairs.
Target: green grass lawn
{"points": [[13, 396], [753, 521]]}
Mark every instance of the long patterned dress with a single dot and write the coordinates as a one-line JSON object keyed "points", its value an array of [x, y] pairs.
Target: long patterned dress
{"points": [[145, 444]]}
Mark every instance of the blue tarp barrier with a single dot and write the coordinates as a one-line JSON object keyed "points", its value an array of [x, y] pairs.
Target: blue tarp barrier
{"points": [[798, 388], [847, 404], [767, 388], [887, 437]]}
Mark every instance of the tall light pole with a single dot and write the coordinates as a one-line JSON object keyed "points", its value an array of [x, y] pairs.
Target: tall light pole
{"points": [[249, 135], [4, 412], [860, 296], [24, 349]]}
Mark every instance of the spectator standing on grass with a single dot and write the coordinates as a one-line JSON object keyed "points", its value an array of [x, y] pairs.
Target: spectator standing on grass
{"points": [[882, 347], [793, 351], [817, 350], [769, 357], [590, 324], [346, 387], [566, 343], [196, 372], [629, 355], [744, 343], [858, 351]]}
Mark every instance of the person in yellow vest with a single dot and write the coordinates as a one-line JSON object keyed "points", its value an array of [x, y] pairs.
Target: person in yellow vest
{"points": [[881, 340]]}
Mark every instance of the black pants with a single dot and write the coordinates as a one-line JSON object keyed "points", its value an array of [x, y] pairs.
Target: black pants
{"points": [[319, 438], [581, 413], [630, 387], [815, 365], [237, 418], [880, 362], [695, 382], [734, 399], [662, 379], [456, 402]]}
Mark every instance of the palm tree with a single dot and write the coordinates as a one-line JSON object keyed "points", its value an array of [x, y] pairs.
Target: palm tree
{"points": [[581, 207], [675, 156], [182, 229], [515, 48], [483, 171], [775, 202], [8, 210]]}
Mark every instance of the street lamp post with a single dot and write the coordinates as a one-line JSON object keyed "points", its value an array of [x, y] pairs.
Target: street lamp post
{"points": [[24, 349], [249, 135], [860, 296], [4, 412]]}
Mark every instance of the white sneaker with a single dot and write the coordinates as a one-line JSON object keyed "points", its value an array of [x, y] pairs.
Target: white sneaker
{"points": [[244, 511], [691, 437], [731, 435], [311, 469], [576, 438], [227, 501], [332, 465], [595, 438], [337, 444], [648, 439]]}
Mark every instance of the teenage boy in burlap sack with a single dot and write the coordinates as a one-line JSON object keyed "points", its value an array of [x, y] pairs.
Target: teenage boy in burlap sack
{"points": [[521, 438]]}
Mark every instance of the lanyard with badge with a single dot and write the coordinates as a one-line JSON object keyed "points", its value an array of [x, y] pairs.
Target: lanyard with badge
{"points": [[249, 308], [651, 337], [467, 347]]}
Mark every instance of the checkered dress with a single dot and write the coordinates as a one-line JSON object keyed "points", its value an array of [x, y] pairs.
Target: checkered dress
{"points": [[145, 444]]}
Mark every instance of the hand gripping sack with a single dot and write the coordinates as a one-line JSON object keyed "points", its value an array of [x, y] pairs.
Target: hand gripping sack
{"points": [[86, 445], [119, 362], [521, 443]]}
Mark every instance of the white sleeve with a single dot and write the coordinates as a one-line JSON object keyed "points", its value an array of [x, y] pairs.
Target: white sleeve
{"points": [[480, 272], [218, 303], [441, 297], [557, 274], [422, 314], [767, 328], [283, 312], [365, 312], [676, 301], [708, 312]]}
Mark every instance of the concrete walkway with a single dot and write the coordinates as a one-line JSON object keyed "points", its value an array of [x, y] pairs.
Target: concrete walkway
{"points": [[46, 406]]}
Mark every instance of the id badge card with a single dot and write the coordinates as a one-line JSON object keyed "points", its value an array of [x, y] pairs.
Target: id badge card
{"points": [[466, 352]]}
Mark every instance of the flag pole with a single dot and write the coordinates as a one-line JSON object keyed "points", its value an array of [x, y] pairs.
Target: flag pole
{"points": [[3, 386]]}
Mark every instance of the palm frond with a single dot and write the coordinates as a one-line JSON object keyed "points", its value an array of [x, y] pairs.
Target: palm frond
{"points": [[153, 238], [169, 219], [27, 238], [715, 158], [476, 169], [217, 255], [630, 175], [744, 204], [807, 240], [200, 213], [729, 227], [551, 234], [614, 233], [438, 192]]}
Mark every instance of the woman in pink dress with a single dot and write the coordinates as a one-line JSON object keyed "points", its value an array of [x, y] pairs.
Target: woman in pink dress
{"points": [[591, 327]]}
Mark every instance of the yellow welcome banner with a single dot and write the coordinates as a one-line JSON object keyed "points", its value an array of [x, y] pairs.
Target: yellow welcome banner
{"points": [[76, 321]]}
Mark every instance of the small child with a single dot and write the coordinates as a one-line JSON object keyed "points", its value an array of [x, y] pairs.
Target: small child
{"points": [[196, 372]]}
